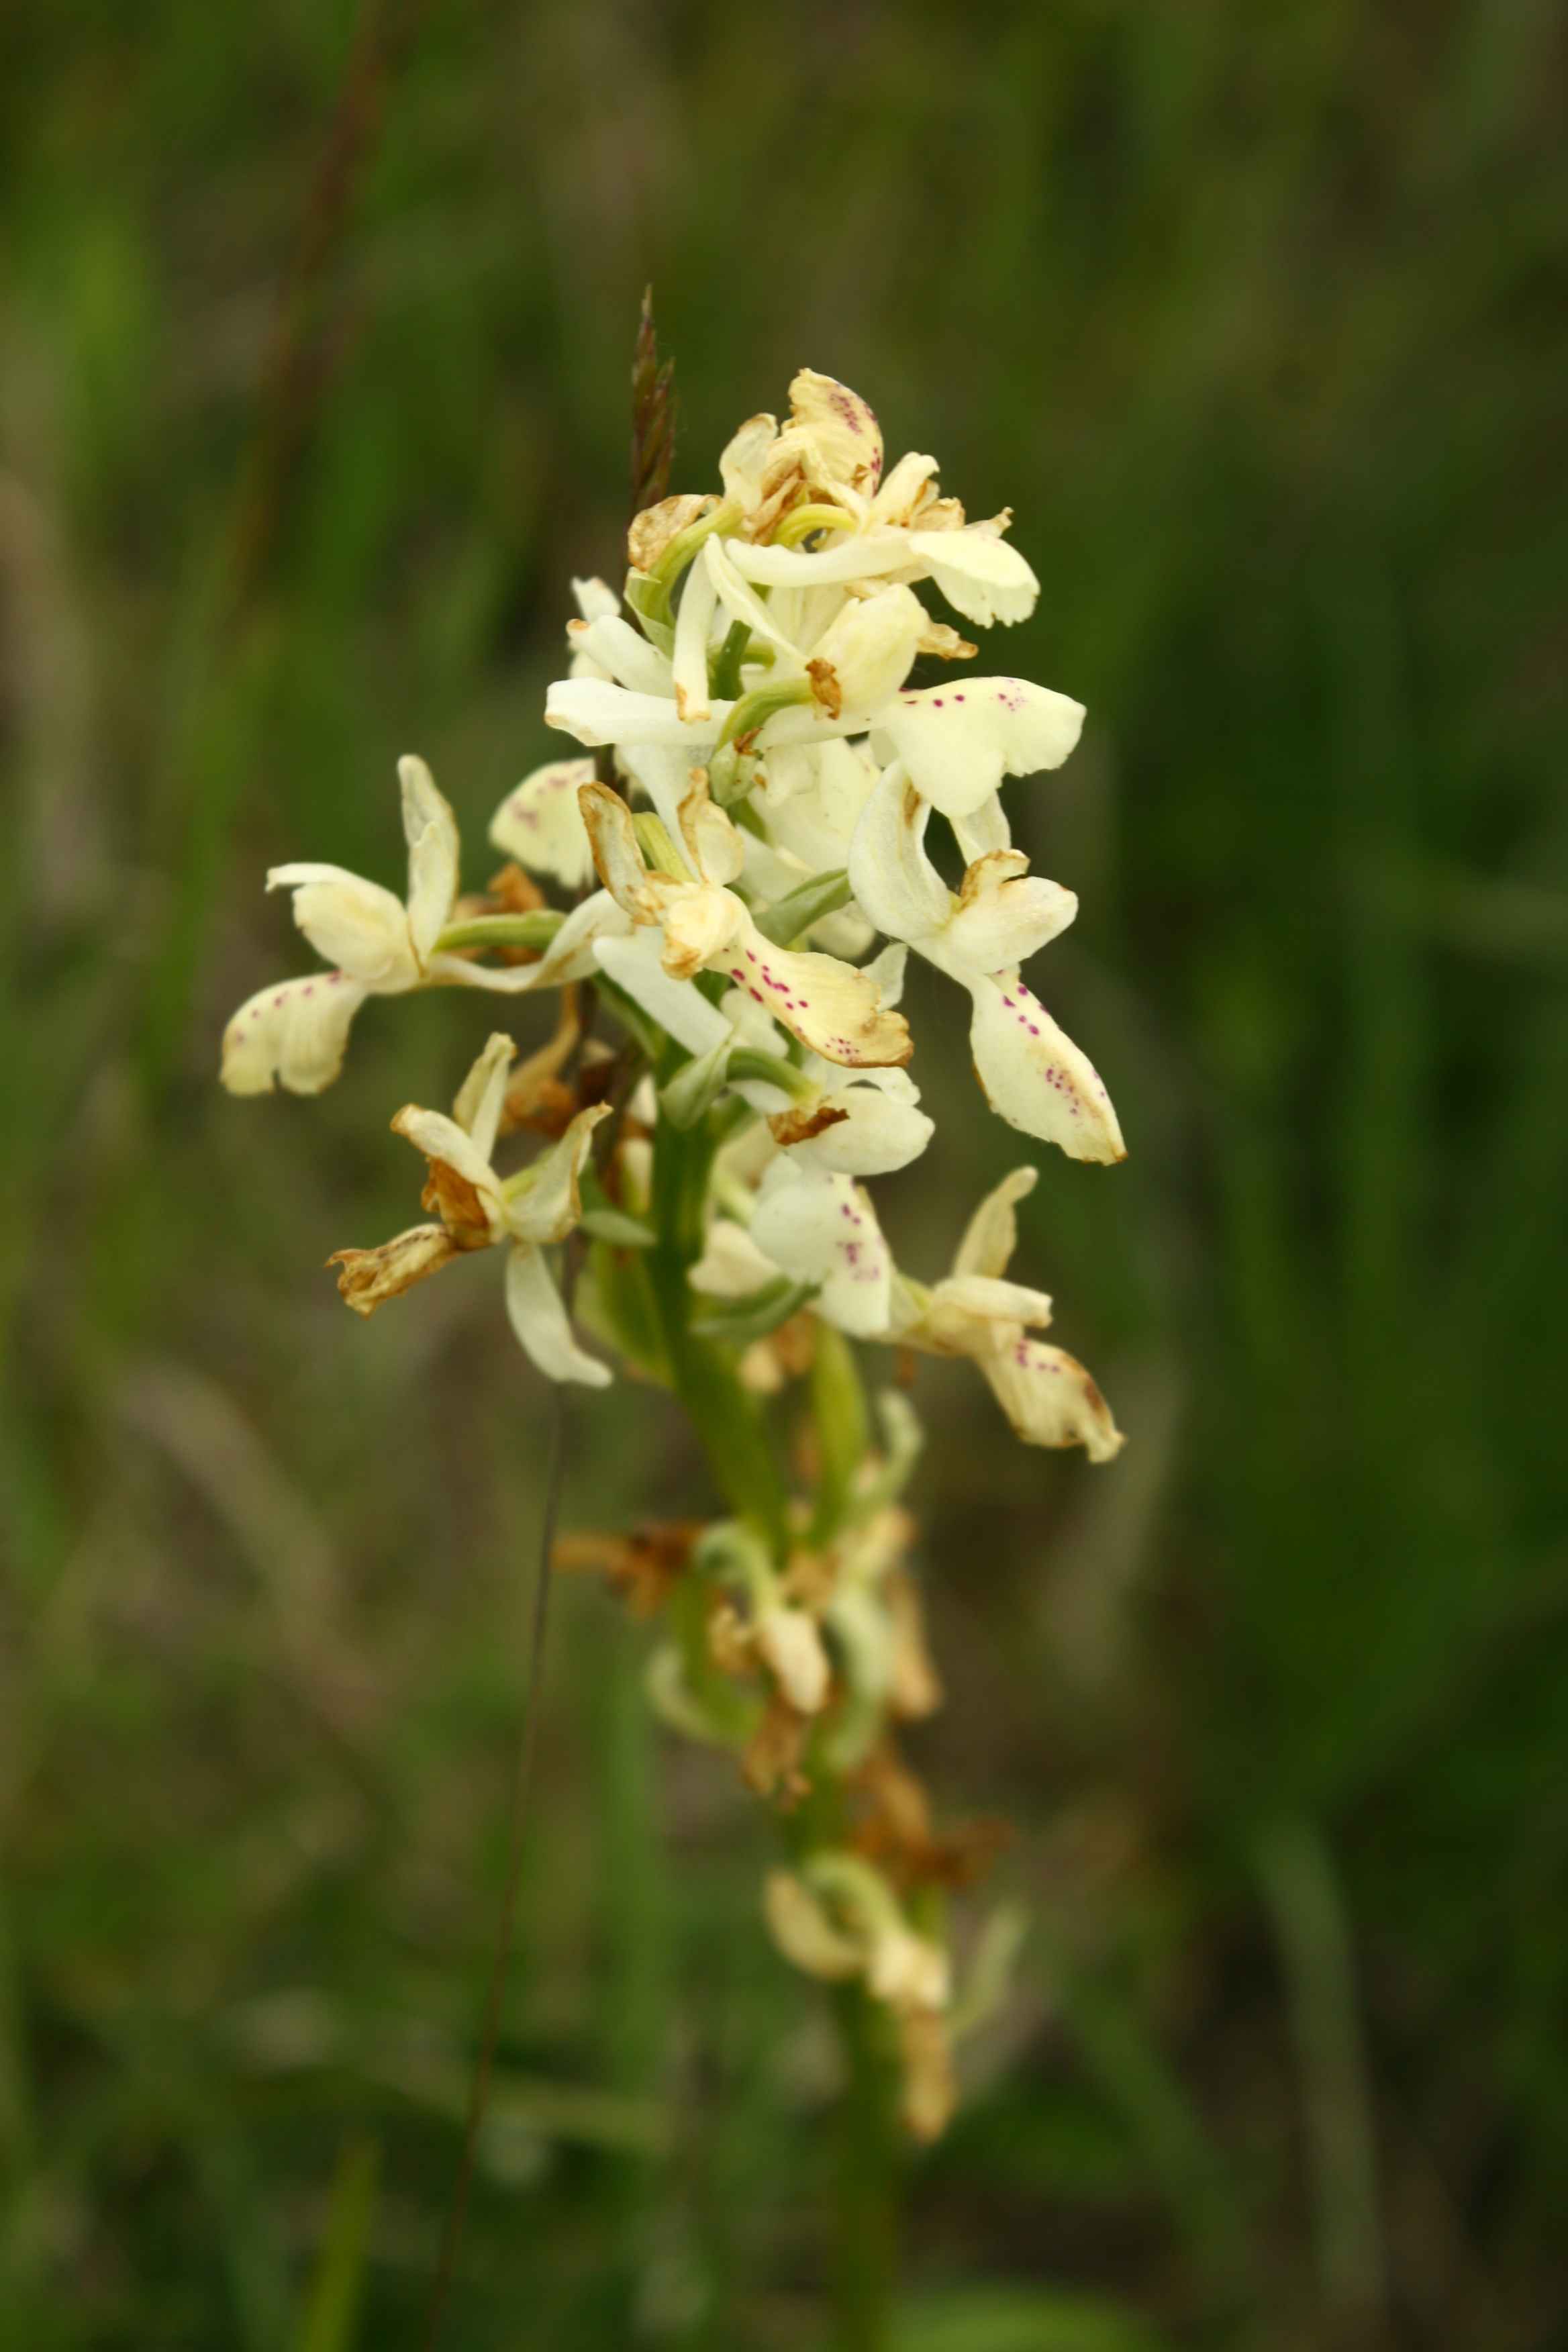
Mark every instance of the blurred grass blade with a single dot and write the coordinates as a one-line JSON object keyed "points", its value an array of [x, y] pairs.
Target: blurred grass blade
{"points": [[1023, 2319], [1302, 1892], [331, 2321]]}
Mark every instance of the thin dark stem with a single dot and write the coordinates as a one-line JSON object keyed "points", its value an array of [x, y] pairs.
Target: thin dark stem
{"points": [[517, 1824]]}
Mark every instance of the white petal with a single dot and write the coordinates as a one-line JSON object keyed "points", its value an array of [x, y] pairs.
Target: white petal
{"points": [[294, 1032], [538, 823], [549, 1206], [1004, 915], [597, 713], [537, 1315], [431, 831], [701, 925], [901, 491], [982, 829], [908, 1971], [887, 970], [678, 1005], [869, 650], [789, 1642], [571, 953], [963, 1313], [500, 979], [822, 1229], [991, 1236], [440, 1138], [482, 1095], [981, 576], [750, 1024], [352, 923], [730, 1265], [744, 460], [958, 742], [833, 1008], [595, 599], [854, 555], [812, 797], [804, 1934], [1051, 1400], [713, 844], [1035, 1076], [742, 603], [876, 1133], [611, 838], [895, 884], [620, 652], [842, 425], [663, 771], [689, 664]]}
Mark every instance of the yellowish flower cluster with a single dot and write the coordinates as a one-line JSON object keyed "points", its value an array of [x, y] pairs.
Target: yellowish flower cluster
{"points": [[751, 818]]}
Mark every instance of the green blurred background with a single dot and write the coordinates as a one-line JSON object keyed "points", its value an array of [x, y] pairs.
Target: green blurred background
{"points": [[314, 330]]}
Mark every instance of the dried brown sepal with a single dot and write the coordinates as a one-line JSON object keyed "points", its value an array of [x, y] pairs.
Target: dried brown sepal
{"points": [[536, 1098], [369, 1277], [458, 1204], [785, 489], [811, 1578], [825, 685], [945, 644], [548, 1110], [650, 532], [769, 1762], [795, 1343], [511, 891], [644, 1566], [800, 1125], [896, 1830], [731, 1644]]}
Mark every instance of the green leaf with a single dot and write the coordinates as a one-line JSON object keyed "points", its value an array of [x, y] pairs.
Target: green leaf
{"points": [[741, 1320], [788, 918], [638, 1024], [615, 1227], [697, 1085]]}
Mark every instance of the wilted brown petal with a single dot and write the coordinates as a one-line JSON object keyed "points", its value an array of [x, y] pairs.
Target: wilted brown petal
{"points": [[371, 1276]]}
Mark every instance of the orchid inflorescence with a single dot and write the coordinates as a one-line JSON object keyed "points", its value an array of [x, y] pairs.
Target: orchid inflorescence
{"points": [[749, 818]]}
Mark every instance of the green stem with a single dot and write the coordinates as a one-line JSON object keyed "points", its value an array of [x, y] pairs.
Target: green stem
{"points": [[866, 2204], [843, 1429], [724, 671], [726, 1419], [534, 929], [864, 2193]]}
